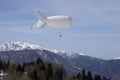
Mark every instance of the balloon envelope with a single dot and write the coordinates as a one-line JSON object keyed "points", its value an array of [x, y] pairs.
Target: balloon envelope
{"points": [[59, 21]]}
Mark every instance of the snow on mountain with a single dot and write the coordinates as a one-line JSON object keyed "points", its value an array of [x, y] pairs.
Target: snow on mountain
{"points": [[117, 58], [65, 54], [55, 51], [73, 62], [61, 53], [18, 46]]}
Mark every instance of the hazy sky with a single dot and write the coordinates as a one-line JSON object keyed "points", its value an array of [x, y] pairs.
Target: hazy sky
{"points": [[95, 30]]}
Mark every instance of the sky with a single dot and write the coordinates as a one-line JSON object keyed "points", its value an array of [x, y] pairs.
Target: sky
{"points": [[95, 28]]}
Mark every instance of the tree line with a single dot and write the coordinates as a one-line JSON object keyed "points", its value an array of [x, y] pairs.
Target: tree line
{"points": [[39, 70]]}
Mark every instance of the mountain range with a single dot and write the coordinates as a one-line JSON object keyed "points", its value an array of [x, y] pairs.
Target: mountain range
{"points": [[20, 52]]}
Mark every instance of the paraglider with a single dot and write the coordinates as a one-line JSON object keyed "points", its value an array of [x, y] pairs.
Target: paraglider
{"points": [[59, 21]]}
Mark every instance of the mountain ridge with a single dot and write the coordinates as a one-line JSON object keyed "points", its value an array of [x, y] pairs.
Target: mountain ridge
{"points": [[73, 62], [18, 45]]}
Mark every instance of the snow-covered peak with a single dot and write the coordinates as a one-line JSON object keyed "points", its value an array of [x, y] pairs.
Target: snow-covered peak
{"points": [[18, 46], [116, 58], [55, 51], [65, 54], [82, 54]]}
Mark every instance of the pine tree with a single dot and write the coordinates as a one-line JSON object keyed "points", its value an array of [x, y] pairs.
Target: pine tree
{"points": [[0, 64], [19, 68], [40, 64], [39, 61], [78, 76], [33, 75], [89, 76], [49, 71], [97, 77], [83, 77]]}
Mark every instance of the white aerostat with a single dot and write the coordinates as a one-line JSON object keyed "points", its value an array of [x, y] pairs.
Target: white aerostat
{"points": [[59, 21]]}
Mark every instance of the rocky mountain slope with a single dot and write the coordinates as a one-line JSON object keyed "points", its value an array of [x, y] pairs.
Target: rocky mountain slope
{"points": [[19, 52]]}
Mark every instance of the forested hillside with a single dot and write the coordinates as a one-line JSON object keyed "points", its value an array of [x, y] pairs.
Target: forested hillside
{"points": [[39, 70]]}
